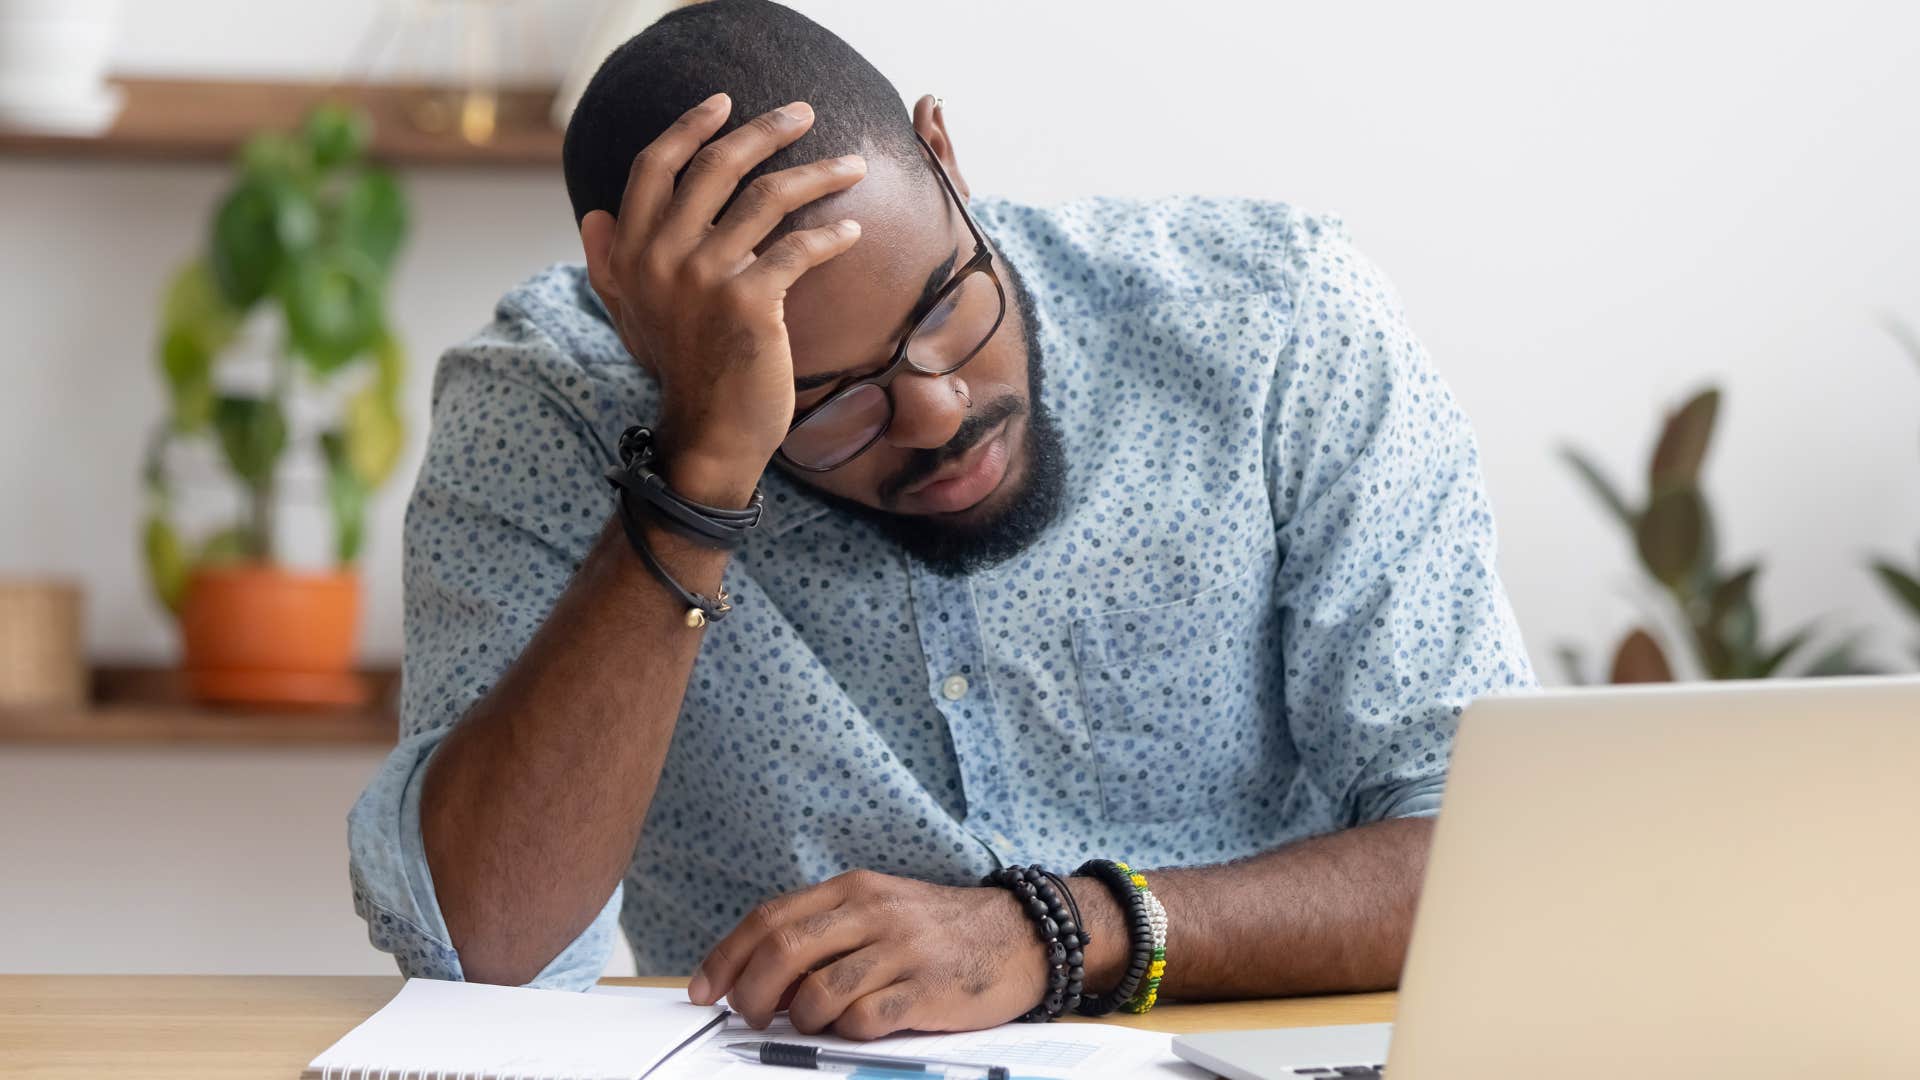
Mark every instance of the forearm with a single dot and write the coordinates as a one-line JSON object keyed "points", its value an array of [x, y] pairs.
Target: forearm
{"points": [[1324, 915], [533, 804]]}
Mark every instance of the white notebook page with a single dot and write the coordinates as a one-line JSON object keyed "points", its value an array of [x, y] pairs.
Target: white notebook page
{"points": [[436, 1029], [1078, 1051]]}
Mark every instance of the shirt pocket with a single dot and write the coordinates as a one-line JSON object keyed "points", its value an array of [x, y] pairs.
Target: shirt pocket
{"points": [[1181, 701]]}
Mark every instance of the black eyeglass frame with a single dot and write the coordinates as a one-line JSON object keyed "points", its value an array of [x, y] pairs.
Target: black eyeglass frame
{"points": [[980, 263]]}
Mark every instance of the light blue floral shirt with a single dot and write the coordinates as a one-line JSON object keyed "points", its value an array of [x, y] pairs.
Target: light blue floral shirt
{"points": [[1268, 597]]}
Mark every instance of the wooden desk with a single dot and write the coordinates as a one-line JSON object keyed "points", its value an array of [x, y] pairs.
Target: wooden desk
{"points": [[158, 1027]]}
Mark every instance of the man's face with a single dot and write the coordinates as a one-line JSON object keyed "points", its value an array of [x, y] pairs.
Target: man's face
{"points": [[955, 475]]}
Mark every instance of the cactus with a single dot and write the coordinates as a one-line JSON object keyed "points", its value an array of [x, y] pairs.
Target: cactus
{"points": [[308, 230], [1673, 534]]}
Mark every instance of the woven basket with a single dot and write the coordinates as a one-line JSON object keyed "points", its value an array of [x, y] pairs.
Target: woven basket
{"points": [[41, 652]]}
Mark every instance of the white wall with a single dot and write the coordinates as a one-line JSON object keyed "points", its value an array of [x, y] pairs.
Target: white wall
{"points": [[1589, 209]]}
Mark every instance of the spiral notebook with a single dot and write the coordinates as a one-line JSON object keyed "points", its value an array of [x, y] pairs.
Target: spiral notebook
{"points": [[434, 1029]]}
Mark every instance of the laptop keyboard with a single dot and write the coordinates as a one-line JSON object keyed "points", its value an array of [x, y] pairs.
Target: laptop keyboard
{"points": [[1343, 1072]]}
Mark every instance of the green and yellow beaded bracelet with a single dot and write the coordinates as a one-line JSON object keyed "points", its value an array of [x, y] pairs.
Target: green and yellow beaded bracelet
{"points": [[1149, 991]]}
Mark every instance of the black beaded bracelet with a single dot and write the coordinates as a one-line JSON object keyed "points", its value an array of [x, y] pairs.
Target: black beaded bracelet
{"points": [[1134, 913], [1076, 954], [1056, 922]]}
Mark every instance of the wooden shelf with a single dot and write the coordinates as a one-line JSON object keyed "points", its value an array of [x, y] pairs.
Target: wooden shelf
{"points": [[133, 706], [181, 120]]}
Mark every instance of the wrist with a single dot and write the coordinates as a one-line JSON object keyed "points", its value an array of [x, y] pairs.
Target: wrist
{"points": [[704, 478], [717, 474], [1030, 966]]}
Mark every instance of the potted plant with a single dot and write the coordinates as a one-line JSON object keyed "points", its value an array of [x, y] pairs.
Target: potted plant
{"points": [[300, 246], [1702, 620]]}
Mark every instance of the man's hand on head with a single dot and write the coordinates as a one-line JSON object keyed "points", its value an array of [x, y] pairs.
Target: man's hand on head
{"points": [[866, 954], [693, 301]]}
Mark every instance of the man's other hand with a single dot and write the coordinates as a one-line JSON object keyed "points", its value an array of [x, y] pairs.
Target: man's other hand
{"points": [[866, 954]]}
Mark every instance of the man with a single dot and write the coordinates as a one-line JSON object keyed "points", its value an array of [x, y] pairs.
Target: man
{"points": [[1131, 530]]}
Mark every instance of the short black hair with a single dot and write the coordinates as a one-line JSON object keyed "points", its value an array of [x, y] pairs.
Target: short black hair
{"points": [[761, 54]]}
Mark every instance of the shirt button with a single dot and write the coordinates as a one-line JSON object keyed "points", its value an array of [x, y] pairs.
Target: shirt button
{"points": [[954, 687]]}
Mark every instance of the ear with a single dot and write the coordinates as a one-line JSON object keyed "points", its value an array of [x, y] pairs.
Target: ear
{"points": [[930, 120]]}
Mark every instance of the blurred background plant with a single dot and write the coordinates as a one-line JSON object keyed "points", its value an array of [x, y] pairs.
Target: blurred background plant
{"points": [[308, 232], [1704, 620], [1903, 582]]}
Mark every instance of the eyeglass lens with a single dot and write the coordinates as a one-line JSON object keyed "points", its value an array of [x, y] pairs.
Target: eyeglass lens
{"points": [[948, 336]]}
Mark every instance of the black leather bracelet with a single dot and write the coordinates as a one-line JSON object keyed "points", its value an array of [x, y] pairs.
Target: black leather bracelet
{"points": [[711, 526], [1133, 912], [701, 610], [1058, 927]]}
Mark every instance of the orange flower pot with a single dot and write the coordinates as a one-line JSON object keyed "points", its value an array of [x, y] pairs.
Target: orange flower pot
{"points": [[258, 634]]}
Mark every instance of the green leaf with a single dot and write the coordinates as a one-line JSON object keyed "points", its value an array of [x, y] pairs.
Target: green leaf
{"points": [[332, 301], [189, 371], [1733, 591], [347, 495], [390, 365], [1716, 654], [230, 545], [1640, 660], [1740, 632], [253, 434], [373, 216], [166, 562], [196, 322], [257, 230], [193, 305], [1683, 443], [277, 156], [1670, 534], [1902, 584], [1696, 591], [1602, 488], [337, 134], [1771, 662], [373, 436]]}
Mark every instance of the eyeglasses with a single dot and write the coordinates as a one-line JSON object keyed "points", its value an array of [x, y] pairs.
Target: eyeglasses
{"points": [[959, 322]]}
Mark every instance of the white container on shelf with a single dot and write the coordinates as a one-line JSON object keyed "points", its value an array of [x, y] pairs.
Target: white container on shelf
{"points": [[53, 65]]}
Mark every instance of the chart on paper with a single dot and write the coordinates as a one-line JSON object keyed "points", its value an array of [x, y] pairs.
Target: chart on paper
{"points": [[1052, 1052]]}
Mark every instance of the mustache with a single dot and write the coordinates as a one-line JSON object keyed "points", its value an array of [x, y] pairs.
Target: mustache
{"points": [[924, 463]]}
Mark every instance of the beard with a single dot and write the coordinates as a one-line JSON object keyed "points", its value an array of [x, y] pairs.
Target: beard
{"points": [[957, 545]]}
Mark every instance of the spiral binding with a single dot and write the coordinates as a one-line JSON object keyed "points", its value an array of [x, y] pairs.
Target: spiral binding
{"points": [[371, 1073]]}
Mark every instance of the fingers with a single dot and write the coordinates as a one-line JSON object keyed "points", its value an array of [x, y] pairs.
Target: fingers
{"points": [[787, 258], [882, 1012], [790, 950], [722, 967], [650, 179], [763, 203], [715, 171], [825, 994]]}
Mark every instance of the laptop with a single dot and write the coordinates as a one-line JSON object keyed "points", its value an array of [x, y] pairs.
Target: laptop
{"points": [[1701, 881]]}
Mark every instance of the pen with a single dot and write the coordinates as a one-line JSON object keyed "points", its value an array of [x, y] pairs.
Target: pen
{"points": [[797, 1056]]}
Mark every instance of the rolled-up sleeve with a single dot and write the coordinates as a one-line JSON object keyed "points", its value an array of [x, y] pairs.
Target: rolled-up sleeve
{"points": [[507, 504], [1393, 617]]}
